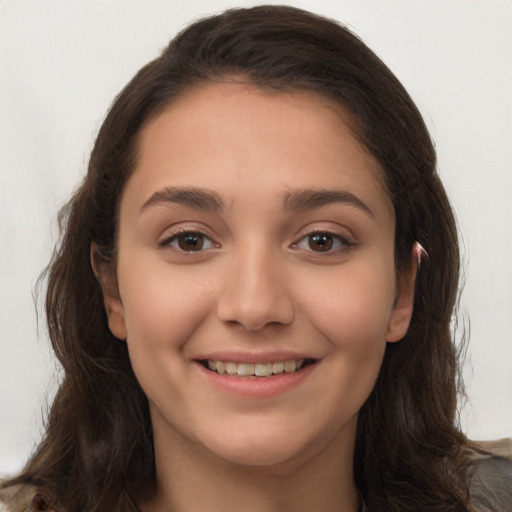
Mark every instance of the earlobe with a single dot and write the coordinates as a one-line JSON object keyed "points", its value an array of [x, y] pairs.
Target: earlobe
{"points": [[111, 298], [404, 303]]}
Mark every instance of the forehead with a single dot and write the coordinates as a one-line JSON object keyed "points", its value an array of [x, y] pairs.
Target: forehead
{"points": [[256, 138]]}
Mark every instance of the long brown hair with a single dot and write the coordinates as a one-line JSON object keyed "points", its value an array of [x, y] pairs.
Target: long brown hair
{"points": [[409, 454]]}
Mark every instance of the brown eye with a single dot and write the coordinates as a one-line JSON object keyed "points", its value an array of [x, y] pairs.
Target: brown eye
{"points": [[188, 241], [321, 242]]}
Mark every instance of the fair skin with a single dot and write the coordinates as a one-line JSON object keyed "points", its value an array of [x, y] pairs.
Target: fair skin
{"points": [[255, 229]]}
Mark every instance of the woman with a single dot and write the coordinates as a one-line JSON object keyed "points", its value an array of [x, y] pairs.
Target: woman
{"points": [[252, 297]]}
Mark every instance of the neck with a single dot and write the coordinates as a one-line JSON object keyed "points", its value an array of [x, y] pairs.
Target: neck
{"points": [[191, 478]]}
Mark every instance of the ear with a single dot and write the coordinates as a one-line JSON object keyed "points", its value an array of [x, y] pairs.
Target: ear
{"points": [[404, 303], [111, 299]]}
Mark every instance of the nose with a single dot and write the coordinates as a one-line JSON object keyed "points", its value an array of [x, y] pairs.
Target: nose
{"points": [[255, 292]]}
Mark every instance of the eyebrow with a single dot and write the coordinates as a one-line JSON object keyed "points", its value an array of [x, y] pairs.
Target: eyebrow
{"points": [[296, 201], [197, 198], [309, 199]]}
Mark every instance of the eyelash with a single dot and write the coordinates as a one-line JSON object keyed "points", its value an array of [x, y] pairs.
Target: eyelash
{"points": [[174, 237], [343, 241], [334, 238]]}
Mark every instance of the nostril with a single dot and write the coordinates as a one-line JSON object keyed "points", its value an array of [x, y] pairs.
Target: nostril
{"points": [[255, 301]]}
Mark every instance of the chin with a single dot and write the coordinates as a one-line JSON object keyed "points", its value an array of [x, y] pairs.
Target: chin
{"points": [[267, 447], [259, 458]]}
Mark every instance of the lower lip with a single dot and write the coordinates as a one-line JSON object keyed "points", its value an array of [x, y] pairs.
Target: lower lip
{"points": [[257, 387]]}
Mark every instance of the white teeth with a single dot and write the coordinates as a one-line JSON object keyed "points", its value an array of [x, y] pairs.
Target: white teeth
{"points": [[263, 369], [231, 368], [290, 366], [245, 369], [278, 367], [255, 369]]}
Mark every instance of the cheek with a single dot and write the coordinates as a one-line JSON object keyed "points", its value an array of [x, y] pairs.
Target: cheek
{"points": [[353, 306], [162, 305]]}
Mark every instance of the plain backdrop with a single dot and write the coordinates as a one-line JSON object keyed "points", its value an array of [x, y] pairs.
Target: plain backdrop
{"points": [[62, 63]]}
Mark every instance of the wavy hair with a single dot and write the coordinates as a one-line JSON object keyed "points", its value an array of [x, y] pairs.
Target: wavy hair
{"points": [[409, 454]]}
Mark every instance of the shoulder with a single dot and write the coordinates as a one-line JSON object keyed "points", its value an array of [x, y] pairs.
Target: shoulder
{"points": [[16, 498], [28, 498], [490, 477], [23, 498]]}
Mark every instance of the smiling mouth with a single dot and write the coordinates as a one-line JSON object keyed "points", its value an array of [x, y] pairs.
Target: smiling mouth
{"points": [[231, 368]]}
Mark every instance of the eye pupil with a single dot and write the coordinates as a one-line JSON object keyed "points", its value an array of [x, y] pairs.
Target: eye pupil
{"points": [[190, 242], [320, 242]]}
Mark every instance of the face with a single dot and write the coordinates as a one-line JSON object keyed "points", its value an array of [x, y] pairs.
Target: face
{"points": [[256, 280]]}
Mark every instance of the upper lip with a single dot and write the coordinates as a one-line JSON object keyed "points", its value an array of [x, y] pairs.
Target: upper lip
{"points": [[254, 357]]}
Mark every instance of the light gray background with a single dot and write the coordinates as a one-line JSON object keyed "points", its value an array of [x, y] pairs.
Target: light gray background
{"points": [[61, 64]]}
